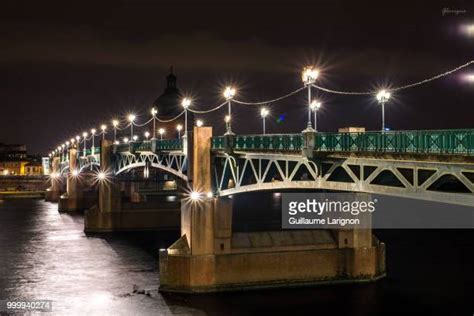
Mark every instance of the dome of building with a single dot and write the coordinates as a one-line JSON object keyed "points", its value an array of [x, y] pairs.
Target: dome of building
{"points": [[169, 102]]}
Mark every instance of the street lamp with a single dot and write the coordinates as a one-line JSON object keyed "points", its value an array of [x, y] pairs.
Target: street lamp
{"points": [[179, 127], [147, 134], [154, 111], [186, 103], [315, 106], [264, 113], [161, 131], [229, 93], [103, 127], [135, 138], [125, 140], [199, 123], [309, 76], [131, 119], [383, 97], [115, 123]]}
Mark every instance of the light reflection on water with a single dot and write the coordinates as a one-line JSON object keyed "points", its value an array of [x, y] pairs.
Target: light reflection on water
{"points": [[46, 255]]}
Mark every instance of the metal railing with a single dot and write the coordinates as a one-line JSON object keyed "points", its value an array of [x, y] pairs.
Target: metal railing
{"points": [[273, 142], [422, 141], [456, 141], [150, 145]]}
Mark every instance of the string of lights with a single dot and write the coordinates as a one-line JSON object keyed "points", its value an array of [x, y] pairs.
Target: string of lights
{"points": [[309, 77], [397, 88], [143, 124], [170, 120], [208, 111], [269, 101]]}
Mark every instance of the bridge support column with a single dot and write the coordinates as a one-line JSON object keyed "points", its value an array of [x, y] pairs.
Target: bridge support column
{"points": [[113, 214], [71, 200], [53, 192], [210, 257]]}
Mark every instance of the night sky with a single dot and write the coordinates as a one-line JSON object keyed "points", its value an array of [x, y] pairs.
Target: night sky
{"points": [[66, 68]]}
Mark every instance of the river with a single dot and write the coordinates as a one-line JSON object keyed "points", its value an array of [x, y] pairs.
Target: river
{"points": [[46, 255]]}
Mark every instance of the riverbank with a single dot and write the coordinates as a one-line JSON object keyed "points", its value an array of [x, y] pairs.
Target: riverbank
{"points": [[7, 195]]}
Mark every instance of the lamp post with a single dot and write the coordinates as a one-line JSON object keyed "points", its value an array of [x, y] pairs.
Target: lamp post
{"points": [[179, 127], [227, 124], [309, 76], [264, 113], [383, 97], [131, 119], [199, 123], [147, 134], [161, 131], [229, 93], [84, 135], [103, 127], [115, 123], [154, 111], [186, 103], [93, 144], [315, 106]]}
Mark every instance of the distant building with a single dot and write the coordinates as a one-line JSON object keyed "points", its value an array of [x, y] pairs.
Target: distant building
{"points": [[12, 152], [169, 106], [14, 160], [34, 168]]}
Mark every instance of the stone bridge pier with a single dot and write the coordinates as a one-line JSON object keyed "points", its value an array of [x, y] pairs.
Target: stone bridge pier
{"points": [[125, 211], [80, 193], [54, 191], [209, 256]]}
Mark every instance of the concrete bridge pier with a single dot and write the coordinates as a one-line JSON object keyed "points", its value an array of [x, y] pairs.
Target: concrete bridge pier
{"points": [[71, 200], [54, 191], [210, 257], [109, 215]]}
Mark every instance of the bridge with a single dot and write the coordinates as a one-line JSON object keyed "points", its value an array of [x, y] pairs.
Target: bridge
{"points": [[433, 165]]}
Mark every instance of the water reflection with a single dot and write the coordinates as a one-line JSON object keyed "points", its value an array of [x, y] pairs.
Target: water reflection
{"points": [[46, 255]]}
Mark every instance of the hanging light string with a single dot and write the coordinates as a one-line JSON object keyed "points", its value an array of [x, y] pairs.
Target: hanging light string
{"points": [[84, 139], [143, 124], [208, 111], [170, 120], [397, 88], [269, 101]]}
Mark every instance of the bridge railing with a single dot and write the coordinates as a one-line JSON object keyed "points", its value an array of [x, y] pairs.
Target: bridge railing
{"points": [[421, 141], [150, 145], [273, 142]]}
